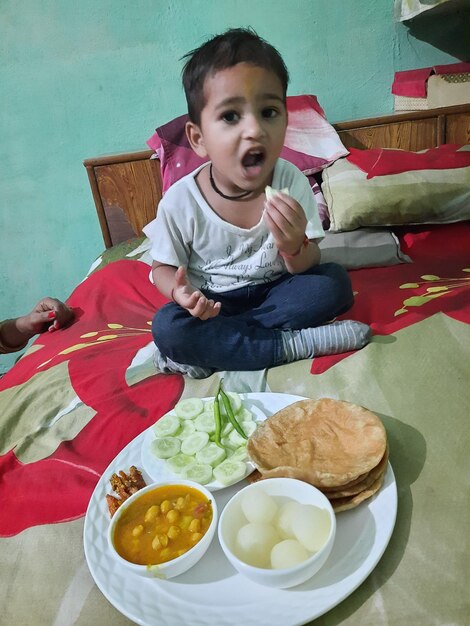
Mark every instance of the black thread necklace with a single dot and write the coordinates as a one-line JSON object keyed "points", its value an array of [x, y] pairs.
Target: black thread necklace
{"points": [[217, 190]]}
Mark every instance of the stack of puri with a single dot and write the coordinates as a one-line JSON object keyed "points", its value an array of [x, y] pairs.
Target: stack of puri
{"points": [[339, 447]]}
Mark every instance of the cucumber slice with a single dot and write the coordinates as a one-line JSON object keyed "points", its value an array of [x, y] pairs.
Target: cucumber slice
{"points": [[205, 422], [211, 454], [240, 454], [187, 428], [209, 406], [189, 408], [228, 444], [229, 472], [193, 443], [167, 426], [179, 462], [199, 473], [249, 428], [244, 415], [235, 401], [235, 440], [165, 447], [226, 429]]}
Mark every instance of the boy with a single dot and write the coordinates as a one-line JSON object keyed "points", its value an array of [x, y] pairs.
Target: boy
{"points": [[242, 270]]}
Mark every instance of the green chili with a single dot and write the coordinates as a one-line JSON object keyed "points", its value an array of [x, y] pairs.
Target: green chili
{"points": [[218, 420], [230, 413]]}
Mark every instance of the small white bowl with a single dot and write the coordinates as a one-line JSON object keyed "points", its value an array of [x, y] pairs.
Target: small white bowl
{"points": [[232, 518], [180, 564]]}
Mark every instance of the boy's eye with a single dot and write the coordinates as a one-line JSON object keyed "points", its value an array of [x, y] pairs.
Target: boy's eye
{"points": [[270, 112], [230, 117]]}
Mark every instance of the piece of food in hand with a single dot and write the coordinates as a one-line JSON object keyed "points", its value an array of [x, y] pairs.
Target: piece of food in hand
{"points": [[339, 447], [270, 192], [123, 485]]}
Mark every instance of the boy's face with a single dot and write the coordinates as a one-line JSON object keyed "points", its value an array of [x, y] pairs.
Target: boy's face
{"points": [[243, 125]]}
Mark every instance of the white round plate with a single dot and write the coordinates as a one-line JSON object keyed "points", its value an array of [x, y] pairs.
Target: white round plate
{"points": [[213, 593], [158, 470]]}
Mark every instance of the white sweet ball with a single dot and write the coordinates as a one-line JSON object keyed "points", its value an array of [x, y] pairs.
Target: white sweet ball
{"points": [[312, 527], [258, 506], [288, 553], [284, 520], [254, 544]]}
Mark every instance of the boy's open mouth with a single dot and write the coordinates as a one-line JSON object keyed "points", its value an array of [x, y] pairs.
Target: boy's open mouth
{"points": [[253, 159]]}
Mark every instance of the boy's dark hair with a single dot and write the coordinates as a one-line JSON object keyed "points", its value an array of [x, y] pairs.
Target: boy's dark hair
{"points": [[236, 45]]}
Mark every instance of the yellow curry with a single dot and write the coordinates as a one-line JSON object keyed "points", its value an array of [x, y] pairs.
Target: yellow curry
{"points": [[162, 524]]}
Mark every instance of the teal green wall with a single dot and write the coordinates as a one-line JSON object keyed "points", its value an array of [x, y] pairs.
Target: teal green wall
{"points": [[80, 79]]}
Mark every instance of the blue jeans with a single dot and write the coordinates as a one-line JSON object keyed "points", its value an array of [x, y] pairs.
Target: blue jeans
{"points": [[246, 335]]}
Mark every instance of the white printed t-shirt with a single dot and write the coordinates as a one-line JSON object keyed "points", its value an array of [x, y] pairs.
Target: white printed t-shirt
{"points": [[217, 255]]}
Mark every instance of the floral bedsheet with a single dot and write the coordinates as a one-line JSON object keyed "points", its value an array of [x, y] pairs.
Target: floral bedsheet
{"points": [[79, 396]]}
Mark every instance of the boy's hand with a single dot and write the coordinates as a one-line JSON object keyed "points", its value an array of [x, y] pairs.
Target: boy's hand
{"points": [[286, 220], [192, 299], [48, 314]]}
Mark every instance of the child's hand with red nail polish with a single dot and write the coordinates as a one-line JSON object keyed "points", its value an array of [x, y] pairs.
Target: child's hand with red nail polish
{"points": [[49, 314]]}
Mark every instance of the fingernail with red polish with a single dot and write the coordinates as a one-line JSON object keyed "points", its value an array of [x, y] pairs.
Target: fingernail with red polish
{"points": [[51, 315]]}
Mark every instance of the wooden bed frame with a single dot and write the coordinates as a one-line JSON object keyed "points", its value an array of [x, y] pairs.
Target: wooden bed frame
{"points": [[127, 187]]}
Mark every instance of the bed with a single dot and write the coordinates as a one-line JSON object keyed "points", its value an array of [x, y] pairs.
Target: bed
{"points": [[77, 398]]}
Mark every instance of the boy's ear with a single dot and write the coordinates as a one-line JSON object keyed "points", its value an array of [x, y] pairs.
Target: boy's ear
{"points": [[196, 141]]}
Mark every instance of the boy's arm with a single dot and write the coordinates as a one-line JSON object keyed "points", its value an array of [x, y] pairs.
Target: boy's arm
{"points": [[287, 222], [305, 257], [164, 278], [173, 284]]}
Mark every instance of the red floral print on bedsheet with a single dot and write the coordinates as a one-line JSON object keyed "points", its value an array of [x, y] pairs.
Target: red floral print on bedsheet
{"points": [[58, 488], [438, 252]]}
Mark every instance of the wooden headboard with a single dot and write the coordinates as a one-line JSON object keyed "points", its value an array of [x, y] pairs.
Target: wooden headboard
{"points": [[127, 187]]}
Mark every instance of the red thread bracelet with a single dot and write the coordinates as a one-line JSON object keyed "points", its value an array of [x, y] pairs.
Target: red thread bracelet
{"points": [[304, 244]]}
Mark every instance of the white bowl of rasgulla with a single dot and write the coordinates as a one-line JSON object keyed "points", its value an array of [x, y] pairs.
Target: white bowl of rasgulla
{"points": [[278, 532]]}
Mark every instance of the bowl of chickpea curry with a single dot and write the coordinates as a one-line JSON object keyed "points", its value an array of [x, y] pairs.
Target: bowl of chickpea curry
{"points": [[163, 529]]}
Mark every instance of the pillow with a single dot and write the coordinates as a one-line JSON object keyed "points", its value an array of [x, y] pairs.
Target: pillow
{"points": [[398, 187], [321, 202], [381, 161], [311, 142], [365, 247]]}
